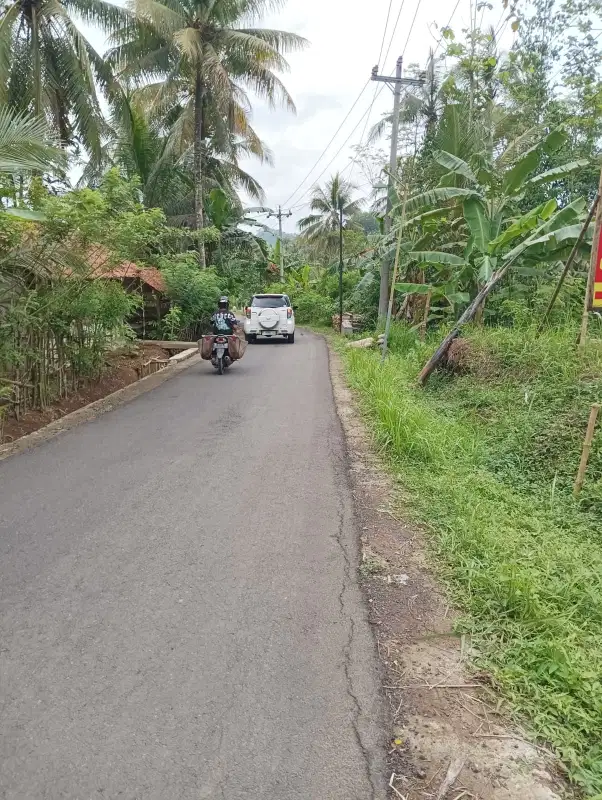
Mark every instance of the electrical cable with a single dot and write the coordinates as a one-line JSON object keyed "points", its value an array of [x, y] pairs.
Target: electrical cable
{"points": [[287, 201], [446, 26], [357, 124], [322, 154], [418, 4], [382, 44]]}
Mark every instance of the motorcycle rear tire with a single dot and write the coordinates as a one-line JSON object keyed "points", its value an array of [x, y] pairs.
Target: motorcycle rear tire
{"points": [[220, 365]]}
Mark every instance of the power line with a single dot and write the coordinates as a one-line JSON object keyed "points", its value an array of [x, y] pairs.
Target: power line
{"points": [[499, 24], [382, 44], [357, 124], [393, 33], [366, 115], [355, 102], [376, 91], [368, 111], [445, 27], [411, 28], [287, 201]]}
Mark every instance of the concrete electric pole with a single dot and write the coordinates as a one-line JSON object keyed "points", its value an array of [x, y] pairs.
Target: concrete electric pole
{"points": [[280, 213], [395, 83]]}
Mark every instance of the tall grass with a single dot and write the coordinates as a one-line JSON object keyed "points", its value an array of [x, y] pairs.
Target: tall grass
{"points": [[523, 560]]}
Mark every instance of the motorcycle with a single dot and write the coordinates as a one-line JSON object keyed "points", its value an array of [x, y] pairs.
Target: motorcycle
{"points": [[220, 357], [221, 350]]}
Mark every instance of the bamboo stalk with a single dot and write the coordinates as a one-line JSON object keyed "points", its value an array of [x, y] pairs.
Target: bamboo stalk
{"points": [[395, 268], [587, 446], [589, 289], [569, 263], [16, 383]]}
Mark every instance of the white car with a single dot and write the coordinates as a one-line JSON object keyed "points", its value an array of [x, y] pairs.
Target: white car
{"points": [[269, 316]]}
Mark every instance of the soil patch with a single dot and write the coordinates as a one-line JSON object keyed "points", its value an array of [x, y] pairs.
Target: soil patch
{"points": [[446, 722], [122, 369]]}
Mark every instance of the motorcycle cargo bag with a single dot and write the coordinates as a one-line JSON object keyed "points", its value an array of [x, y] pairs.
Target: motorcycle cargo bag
{"points": [[236, 348], [205, 347]]}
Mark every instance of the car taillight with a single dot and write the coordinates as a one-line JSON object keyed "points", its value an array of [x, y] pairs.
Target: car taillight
{"points": [[289, 313], [248, 312]]}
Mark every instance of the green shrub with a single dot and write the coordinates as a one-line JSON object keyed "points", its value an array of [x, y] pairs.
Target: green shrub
{"points": [[364, 299], [194, 291], [312, 308], [329, 284], [241, 277]]}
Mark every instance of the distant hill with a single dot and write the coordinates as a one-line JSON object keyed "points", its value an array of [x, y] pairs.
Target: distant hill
{"points": [[270, 236]]}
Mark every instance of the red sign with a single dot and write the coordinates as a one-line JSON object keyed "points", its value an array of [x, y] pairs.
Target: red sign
{"points": [[597, 293]]}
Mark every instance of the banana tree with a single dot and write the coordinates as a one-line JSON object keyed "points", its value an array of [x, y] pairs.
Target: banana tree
{"points": [[490, 213], [481, 202], [551, 234], [547, 241]]}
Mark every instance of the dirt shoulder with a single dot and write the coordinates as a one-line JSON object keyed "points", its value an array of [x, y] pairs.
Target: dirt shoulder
{"points": [[94, 408], [122, 369], [449, 737]]}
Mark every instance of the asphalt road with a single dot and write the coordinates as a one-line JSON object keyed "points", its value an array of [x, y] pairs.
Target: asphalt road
{"points": [[180, 616]]}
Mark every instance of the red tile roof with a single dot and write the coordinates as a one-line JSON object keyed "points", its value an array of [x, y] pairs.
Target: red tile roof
{"points": [[99, 259]]}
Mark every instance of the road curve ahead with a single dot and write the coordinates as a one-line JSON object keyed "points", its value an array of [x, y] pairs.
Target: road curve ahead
{"points": [[180, 616]]}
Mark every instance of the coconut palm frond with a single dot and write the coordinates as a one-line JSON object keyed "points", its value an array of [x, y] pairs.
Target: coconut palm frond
{"points": [[26, 144]]}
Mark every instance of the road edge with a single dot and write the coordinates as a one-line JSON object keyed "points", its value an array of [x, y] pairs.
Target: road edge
{"points": [[422, 741], [96, 409], [372, 725]]}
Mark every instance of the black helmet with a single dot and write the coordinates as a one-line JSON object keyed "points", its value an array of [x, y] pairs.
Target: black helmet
{"points": [[223, 303]]}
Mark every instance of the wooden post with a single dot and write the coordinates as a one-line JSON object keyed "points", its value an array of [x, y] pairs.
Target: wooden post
{"points": [[587, 446], [427, 308], [589, 289], [569, 262]]}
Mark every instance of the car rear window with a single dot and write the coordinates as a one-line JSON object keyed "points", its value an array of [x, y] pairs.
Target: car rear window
{"points": [[269, 302]]}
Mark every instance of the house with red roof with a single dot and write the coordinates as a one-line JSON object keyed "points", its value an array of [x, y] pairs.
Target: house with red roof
{"points": [[147, 282]]}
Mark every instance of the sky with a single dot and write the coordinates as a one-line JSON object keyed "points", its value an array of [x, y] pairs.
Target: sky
{"points": [[326, 78], [345, 38]]}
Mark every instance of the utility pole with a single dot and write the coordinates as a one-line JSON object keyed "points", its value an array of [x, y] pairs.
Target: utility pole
{"points": [[340, 266], [395, 266], [395, 83], [280, 213]]}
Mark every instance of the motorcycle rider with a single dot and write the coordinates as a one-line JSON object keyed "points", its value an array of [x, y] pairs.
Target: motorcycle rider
{"points": [[223, 320]]}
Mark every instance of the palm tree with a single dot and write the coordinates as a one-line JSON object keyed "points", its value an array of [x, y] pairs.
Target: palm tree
{"points": [[49, 69], [26, 144], [159, 154], [322, 226], [204, 43], [225, 140]]}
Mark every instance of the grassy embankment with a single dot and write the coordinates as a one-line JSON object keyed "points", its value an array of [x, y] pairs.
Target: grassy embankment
{"points": [[486, 460]]}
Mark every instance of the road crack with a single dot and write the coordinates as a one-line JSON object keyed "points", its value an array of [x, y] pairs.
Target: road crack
{"points": [[347, 616]]}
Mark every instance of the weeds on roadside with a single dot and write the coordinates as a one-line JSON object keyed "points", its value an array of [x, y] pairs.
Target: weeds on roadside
{"points": [[485, 460]]}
